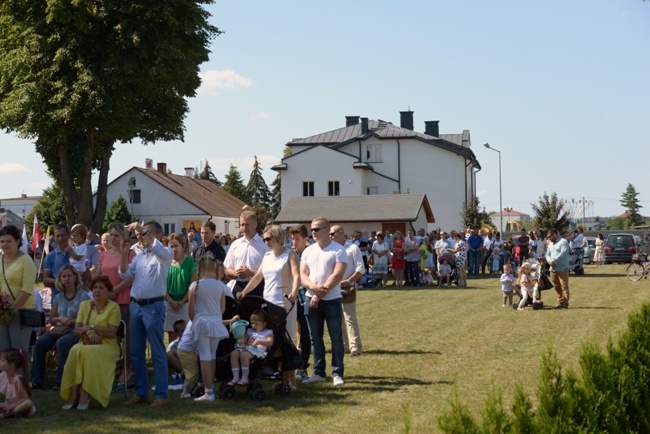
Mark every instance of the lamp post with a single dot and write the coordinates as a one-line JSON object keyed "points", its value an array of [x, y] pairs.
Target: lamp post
{"points": [[487, 145]]}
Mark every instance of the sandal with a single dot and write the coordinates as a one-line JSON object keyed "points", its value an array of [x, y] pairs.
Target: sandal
{"points": [[242, 383], [233, 383]]}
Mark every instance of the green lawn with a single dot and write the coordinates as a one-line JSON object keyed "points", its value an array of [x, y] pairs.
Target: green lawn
{"points": [[420, 345]]}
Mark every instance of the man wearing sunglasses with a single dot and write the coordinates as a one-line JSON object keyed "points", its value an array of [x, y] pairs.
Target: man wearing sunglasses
{"points": [[321, 271]]}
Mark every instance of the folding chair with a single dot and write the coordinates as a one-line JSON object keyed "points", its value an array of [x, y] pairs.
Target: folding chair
{"points": [[122, 343]]}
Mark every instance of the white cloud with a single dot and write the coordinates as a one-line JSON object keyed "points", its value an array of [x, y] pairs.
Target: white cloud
{"points": [[9, 168], [263, 116], [213, 81]]}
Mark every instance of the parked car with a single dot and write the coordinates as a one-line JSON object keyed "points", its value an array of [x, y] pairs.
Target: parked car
{"points": [[590, 250], [619, 248]]}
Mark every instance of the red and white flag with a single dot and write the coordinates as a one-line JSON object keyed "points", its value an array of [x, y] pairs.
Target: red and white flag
{"points": [[36, 235]]}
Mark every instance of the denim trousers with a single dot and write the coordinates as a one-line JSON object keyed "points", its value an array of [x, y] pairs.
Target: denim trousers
{"points": [[413, 272], [147, 324], [44, 344], [330, 312], [474, 260], [305, 338]]}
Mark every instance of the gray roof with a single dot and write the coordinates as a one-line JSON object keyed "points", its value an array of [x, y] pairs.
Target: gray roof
{"points": [[375, 207], [386, 130]]}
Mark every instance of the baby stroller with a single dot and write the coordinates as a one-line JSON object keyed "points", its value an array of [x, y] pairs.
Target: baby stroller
{"points": [[540, 283], [451, 260], [282, 355]]}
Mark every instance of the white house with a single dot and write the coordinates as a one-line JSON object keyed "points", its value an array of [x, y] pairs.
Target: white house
{"points": [[375, 157], [513, 220], [21, 206], [175, 201]]}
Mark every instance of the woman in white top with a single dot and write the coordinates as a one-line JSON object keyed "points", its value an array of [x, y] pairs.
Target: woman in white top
{"points": [[280, 270], [380, 258]]}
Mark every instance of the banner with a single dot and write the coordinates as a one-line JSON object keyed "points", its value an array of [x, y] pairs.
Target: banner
{"points": [[37, 236]]}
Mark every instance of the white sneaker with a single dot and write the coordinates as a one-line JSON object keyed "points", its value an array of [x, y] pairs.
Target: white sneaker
{"points": [[315, 378], [338, 381], [186, 395], [205, 398]]}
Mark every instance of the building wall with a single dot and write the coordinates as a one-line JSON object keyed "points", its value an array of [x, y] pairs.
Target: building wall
{"points": [[21, 206]]}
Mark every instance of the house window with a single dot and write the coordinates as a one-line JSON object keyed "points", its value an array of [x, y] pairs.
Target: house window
{"points": [[373, 153], [134, 196], [333, 188], [170, 228], [308, 188], [372, 190]]}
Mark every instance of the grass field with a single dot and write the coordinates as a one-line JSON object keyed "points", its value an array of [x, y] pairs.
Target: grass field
{"points": [[420, 346]]}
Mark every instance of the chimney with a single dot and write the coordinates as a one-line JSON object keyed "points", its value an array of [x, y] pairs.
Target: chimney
{"points": [[406, 120], [162, 168], [351, 120], [148, 163], [431, 128], [189, 172], [364, 125]]}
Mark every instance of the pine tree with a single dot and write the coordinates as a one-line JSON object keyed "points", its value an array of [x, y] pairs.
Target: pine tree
{"points": [[276, 198], [118, 211], [235, 185], [550, 213], [630, 201], [208, 174], [472, 215], [256, 189]]}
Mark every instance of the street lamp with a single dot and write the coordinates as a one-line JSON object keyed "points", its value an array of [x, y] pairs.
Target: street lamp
{"points": [[487, 145]]}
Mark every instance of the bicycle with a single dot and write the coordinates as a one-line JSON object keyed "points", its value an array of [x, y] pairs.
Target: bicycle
{"points": [[638, 269]]}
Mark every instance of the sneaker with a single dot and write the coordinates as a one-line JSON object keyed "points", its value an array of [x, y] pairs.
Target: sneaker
{"points": [[205, 398], [315, 378], [301, 374], [338, 381], [186, 395], [177, 385]]}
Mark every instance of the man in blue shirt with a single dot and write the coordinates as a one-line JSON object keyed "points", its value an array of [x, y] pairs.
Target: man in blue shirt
{"points": [[147, 310], [475, 244], [57, 258], [557, 256]]}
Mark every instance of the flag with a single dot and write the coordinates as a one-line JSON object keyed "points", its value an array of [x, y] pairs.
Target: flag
{"points": [[36, 234], [23, 246], [47, 241]]}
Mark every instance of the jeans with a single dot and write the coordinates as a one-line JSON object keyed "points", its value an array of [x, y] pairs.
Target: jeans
{"points": [[44, 344], [305, 338], [474, 260], [147, 324], [329, 311], [413, 272]]}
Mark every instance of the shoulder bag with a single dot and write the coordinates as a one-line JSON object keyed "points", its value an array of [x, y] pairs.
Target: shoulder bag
{"points": [[28, 317]]}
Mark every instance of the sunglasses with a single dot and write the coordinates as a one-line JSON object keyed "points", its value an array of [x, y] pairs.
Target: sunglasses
{"points": [[267, 239], [316, 229]]}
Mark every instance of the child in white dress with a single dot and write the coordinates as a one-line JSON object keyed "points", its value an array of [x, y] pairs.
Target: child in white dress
{"points": [[255, 343]]}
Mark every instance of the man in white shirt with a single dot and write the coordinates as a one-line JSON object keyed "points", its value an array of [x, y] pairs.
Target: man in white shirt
{"points": [[322, 267], [353, 272], [245, 255]]}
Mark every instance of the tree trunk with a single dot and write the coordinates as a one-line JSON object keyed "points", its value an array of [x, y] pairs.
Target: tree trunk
{"points": [[85, 209], [67, 182], [102, 186]]}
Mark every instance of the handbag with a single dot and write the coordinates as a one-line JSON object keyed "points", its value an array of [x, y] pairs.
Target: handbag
{"points": [[545, 282], [28, 317], [85, 339], [58, 331]]}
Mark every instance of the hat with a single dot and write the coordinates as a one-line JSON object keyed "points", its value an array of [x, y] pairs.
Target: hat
{"points": [[238, 328]]}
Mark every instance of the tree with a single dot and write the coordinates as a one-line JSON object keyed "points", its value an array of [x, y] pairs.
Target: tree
{"points": [[472, 215], [208, 174], [550, 213], [630, 201], [259, 195], [276, 197], [235, 185], [77, 77], [50, 210], [118, 211]]}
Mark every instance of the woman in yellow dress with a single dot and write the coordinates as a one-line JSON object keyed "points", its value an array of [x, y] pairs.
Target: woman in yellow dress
{"points": [[90, 368]]}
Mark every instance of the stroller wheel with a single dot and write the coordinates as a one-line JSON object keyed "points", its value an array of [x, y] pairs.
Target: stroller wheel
{"points": [[258, 395], [286, 390], [277, 389], [228, 393]]}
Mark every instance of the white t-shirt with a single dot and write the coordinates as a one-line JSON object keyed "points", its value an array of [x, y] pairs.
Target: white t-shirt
{"points": [[577, 241], [321, 263], [80, 264]]}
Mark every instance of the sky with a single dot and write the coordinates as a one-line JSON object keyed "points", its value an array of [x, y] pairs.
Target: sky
{"points": [[560, 88]]}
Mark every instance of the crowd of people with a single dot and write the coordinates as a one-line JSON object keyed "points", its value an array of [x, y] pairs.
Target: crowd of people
{"points": [[179, 284]]}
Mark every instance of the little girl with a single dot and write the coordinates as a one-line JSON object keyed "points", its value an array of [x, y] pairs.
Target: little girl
{"points": [[13, 387], [79, 251], [506, 284], [255, 343], [525, 283], [427, 278], [207, 302]]}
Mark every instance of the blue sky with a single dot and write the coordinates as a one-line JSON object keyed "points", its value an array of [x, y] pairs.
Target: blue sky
{"points": [[561, 88]]}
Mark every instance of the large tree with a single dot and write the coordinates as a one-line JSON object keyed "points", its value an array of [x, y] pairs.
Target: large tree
{"points": [[550, 212], [630, 201], [472, 215], [260, 195], [235, 185], [207, 174], [50, 209], [78, 77], [118, 211]]}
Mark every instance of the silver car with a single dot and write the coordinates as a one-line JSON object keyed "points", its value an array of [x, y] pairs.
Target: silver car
{"points": [[590, 250]]}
